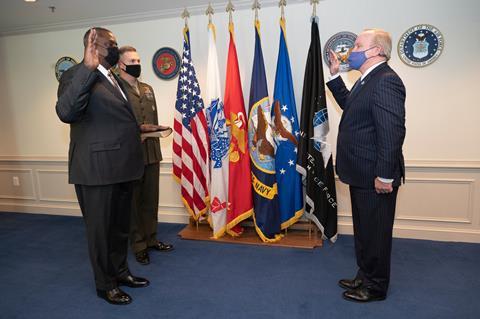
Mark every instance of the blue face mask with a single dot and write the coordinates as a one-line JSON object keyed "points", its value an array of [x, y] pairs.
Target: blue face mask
{"points": [[357, 58]]}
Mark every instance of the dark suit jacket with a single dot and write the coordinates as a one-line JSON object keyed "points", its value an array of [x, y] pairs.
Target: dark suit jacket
{"points": [[105, 145], [145, 109], [372, 128]]}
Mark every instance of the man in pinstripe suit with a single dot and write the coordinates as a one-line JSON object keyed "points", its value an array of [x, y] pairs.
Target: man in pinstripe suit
{"points": [[369, 158]]}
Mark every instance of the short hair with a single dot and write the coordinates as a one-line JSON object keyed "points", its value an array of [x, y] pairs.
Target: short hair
{"points": [[125, 49], [87, 34], [383, 39]]}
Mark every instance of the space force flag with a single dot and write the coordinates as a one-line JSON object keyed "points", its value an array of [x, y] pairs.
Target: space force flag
{"points": [[314, 159]]}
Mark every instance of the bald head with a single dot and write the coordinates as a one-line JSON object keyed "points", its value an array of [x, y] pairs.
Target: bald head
{"points": [[103, 43], [100, 32]]}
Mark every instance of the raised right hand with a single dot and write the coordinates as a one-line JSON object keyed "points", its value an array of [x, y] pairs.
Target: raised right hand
{"points": [[334, 62], [91, 59]]}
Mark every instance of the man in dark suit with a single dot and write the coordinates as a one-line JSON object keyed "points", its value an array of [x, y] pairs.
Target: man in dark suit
{"points": [[369, 158], [105, 158], [144, 219]]}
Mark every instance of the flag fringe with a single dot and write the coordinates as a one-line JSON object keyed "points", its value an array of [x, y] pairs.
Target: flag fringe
{"points": [[238, 220], [264, 238], [220, 233], [200, 213], [292, 220]]}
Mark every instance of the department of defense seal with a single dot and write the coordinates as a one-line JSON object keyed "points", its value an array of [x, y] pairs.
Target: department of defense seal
{"points": [[166, 63], [341, 43], [420, 45], [62, 65]]}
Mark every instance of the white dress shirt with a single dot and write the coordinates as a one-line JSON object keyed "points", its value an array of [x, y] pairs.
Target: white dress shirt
{"points": [[105, 72]]}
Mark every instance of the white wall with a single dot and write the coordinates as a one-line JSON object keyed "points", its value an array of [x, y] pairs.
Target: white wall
{"points": [[442, 146]]}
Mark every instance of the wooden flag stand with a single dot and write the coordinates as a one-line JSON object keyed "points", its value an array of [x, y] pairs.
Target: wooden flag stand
{"points": [[303, 234]]}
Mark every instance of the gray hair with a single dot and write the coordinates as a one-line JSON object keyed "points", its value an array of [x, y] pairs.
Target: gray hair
{"points": [[383, 39]]}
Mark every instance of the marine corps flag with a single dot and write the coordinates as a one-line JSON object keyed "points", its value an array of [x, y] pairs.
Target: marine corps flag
{"points": [[287, 132], [314, 160], [262, 151], [240, 204], [219, 141], [190, 138]]}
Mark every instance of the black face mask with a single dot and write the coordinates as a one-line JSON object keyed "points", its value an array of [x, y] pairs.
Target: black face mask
{"points": [[113, 56], [133, 69]]}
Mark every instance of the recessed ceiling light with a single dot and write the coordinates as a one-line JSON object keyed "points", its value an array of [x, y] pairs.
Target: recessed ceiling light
{"points": [[30, 0]]}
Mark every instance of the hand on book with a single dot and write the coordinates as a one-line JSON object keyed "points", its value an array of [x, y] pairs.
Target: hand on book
{"points": [[152, 130], [145, 128]]}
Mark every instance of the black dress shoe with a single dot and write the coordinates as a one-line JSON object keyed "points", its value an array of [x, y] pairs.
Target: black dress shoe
{"points": [[350, 283], [161, 246], [115, 296], [133, 282], [142, 257], [364, 294]]}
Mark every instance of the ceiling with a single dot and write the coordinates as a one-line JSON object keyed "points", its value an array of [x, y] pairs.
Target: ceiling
{"points": [[18, 16]]}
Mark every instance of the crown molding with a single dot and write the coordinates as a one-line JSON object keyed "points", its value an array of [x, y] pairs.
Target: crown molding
{"points": [[135, 17]]}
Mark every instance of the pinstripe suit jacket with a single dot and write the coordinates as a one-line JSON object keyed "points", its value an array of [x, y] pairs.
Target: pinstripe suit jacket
{"points": [[105, 145], [372, 128]]}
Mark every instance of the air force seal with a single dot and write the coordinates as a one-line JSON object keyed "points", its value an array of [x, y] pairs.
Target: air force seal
{"points": [[166, 63], [62, 65], [420, 45], [341, 43]]}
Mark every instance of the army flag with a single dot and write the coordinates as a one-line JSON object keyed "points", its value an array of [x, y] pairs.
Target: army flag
{"points": [[262, 151], [240, 204], [190, 138], [314, 159], [286, 133], [219, 141]]}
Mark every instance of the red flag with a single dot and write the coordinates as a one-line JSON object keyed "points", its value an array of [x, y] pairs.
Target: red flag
{"points": [[240, 203], [190, 138]]}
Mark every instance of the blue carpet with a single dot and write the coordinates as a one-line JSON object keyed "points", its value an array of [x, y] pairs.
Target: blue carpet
{"points": [[45, 273]]}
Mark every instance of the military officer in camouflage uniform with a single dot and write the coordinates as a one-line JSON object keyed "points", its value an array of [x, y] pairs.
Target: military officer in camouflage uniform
{"points": [[143, 230]]}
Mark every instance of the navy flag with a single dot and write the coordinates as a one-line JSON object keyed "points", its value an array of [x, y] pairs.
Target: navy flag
{"points": [[285, 121], [262, 151], [314, 160]]}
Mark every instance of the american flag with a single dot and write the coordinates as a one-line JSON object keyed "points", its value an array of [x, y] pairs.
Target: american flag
{"points": [[190, 138]]}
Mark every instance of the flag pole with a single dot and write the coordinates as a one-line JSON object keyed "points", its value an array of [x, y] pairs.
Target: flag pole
{"points": [[256, 6], [282, 4], [314, 3], [314, 10], [209, 12], [185, 15], [230, 8]]}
